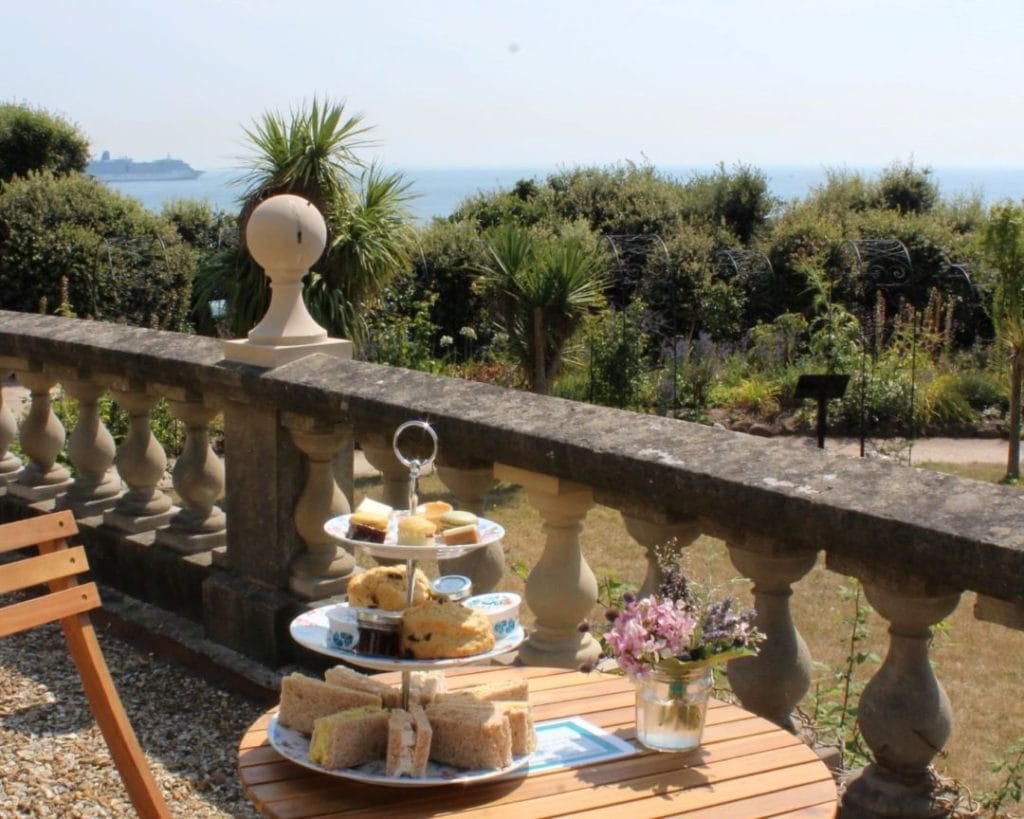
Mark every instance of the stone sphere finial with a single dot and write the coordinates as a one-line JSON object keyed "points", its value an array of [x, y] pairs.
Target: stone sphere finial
{"points": [[286, 233]]}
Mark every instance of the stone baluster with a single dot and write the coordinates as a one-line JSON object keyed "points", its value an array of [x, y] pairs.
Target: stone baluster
{"points": [[904, 713], [10, 464], [657, 532], [772, 683], [561, 588], [381, 456], [91, 449], [198, 477], [323, 569], [141, 461], [470, 482], [42, 438]]}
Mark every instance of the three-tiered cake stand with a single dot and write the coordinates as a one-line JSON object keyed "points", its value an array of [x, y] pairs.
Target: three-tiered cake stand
{"points": [[312, 630]]}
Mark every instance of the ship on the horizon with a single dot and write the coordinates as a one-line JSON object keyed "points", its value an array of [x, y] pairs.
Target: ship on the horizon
{"points": [[123, 169]]}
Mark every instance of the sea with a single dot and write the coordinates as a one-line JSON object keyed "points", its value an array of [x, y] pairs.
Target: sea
{"points": [[437, 192]]}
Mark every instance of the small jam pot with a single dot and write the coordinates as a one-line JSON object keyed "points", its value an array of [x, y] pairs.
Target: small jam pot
{"points": [[455, 587], [379, 632], [501, 608], [343, 626]]}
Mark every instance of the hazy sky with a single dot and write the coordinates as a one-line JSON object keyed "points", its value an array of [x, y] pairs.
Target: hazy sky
{"points": [[538, 83]]}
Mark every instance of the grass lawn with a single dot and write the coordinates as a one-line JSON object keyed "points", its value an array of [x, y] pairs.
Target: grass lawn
{"points": [[975, 661]]}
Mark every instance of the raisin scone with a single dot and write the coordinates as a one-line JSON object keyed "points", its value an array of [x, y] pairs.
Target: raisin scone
{"points": [[383, 587], [439, 628]]}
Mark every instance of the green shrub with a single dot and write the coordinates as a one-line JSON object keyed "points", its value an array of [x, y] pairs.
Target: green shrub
{"points": [[447, 262], [756, 395], [982, 389], [33, 140], [617, 346], [120, 262], [199, 225], [940, 401]]}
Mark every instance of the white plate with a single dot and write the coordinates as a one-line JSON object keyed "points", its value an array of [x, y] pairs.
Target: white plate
{"points": [[311, 629], [490, 532], [295, 746]]}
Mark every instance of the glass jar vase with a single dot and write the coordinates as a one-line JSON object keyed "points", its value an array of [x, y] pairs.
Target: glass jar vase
{"points": [[670, 708]]}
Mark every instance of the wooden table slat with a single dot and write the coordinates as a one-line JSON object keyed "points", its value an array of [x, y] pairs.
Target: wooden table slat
{"points": [[745, 764]]}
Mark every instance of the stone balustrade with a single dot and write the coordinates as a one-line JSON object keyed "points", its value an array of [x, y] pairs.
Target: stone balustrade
{"points": [[241, 549]]}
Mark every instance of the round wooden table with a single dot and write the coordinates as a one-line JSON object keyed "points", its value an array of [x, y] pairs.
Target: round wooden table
{"points": [[745, 767]]}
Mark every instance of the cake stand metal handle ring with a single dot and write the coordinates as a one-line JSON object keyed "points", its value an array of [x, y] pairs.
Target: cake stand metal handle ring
{"points": [[414, 465]]}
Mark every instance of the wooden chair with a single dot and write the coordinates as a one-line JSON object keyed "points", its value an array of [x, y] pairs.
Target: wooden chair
{"points": [[57, 565]]}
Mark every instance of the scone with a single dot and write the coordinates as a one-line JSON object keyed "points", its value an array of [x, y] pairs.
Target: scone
{"points": [[383, 587], [439, 628]]}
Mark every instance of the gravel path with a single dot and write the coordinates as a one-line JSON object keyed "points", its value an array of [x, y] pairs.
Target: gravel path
{"points": [[54, 761]]}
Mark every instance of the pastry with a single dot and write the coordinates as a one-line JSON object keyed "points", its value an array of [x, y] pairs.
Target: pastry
{"points": [[457, 518], [416, 530], [460, 535], [433, 510], [439, 628], [383, 587], [369, 527]]}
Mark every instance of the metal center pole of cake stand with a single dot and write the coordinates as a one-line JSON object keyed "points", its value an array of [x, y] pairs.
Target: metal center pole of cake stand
{"points": [[415, 467]]}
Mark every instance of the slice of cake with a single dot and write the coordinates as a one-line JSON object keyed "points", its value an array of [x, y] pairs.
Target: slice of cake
{"points": [[349, 738], [459, 535], [409, 739], [369, 527], [305, 699], [416, 530]]}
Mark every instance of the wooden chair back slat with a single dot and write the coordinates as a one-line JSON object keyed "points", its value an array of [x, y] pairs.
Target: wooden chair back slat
{"points": [[31, 571], [69, 603], [33, 531], [46, 609]]}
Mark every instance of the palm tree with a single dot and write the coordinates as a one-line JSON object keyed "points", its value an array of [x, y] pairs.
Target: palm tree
{"points": [[369, 235], [542, 289], [1003, 244]]}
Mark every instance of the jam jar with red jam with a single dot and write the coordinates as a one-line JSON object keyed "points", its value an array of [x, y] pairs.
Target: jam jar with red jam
{"points": [[380, 632]]}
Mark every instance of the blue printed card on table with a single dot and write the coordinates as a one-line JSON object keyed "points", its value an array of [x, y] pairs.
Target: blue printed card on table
{"points": [[571, 742]]}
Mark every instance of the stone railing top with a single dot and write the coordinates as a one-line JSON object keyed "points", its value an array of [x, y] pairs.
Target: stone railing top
{"points": [[893, 521]]}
